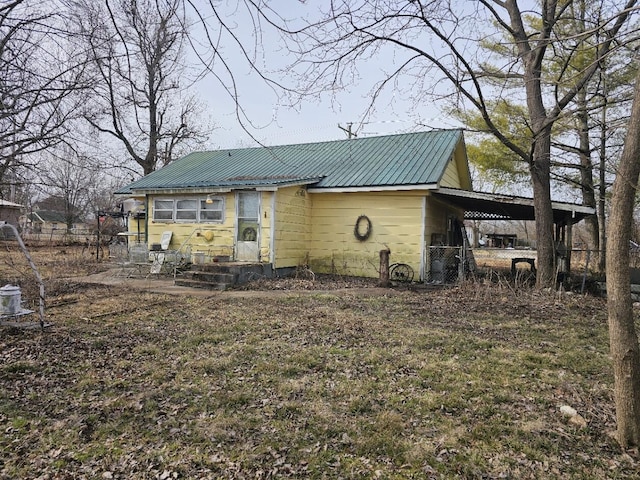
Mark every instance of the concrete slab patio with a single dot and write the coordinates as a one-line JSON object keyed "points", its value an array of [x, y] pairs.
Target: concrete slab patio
{"points": [[165, 284]]}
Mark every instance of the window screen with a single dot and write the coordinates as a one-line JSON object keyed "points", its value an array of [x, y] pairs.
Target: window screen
{"points": [[163, 210], [186, 210], [211, 212]]}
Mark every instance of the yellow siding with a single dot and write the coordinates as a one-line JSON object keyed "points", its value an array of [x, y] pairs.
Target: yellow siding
{"points": [[456, 175], [460, 157], [135, 233], [194, 235], [136, 226], [438, 214], [133, 227], [396, 219], [451, 177], [292, 227], [318, 229], [265, 226]]}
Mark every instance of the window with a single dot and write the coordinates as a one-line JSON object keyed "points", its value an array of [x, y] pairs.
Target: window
{"points": [[163, 210], [211, 212], [188, 210]]}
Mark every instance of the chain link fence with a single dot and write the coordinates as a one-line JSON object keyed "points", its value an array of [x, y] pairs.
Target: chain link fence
{"points": [[445, 264], [449, 265]]}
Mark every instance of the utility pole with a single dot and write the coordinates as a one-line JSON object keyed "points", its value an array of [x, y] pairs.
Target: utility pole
{"points": [[348, 130]]}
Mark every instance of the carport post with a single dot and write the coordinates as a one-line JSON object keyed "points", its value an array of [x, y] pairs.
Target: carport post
{"points": [[569, 240]]}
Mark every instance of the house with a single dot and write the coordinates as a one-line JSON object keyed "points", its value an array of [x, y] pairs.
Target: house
{"points": [[10, 212], [331, 206], [52, 222], [44, 221]]}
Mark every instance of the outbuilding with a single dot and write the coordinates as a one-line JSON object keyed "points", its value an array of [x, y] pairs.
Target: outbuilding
{"points": [[10, 212]]}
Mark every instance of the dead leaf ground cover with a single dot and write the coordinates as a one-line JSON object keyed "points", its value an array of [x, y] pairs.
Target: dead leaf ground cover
{"points": [[458, 383]]}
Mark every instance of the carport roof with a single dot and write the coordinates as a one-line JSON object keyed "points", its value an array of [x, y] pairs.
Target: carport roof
{"points": [[492, 206]]}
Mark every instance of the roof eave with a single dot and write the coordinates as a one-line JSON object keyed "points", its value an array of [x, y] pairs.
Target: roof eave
{"points": [[205, 190], [514, 198], [374, 188], [6, 203], [574, 212]]}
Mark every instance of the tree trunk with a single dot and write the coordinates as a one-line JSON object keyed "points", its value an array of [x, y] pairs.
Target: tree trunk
{"points": [[601, 212], [586, 169], [622, 335], [600, 258], [543, 211], [602, 187], [540, 160]]}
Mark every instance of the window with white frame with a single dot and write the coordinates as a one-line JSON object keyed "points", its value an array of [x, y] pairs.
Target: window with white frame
{"points": [[212, 211], [186, 210], [189, 210], [162, 210]]}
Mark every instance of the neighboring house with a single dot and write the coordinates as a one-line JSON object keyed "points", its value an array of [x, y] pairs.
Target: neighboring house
{"points": [[10, 212], [502, 240], [332, 206], [47, 222]]}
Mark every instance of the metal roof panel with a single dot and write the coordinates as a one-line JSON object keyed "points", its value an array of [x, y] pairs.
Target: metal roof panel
{"points": [[404, 159]]}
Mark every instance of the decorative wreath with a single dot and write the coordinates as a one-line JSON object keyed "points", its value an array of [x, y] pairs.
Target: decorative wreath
{"points": [[357, 231], [249, 234]]}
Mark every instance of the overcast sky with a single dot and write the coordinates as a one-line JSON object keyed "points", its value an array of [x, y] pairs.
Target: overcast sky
{"points": [[276, 123]]}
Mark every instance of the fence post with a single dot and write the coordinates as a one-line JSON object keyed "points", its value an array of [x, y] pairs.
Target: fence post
{"points": [[384, 267], [98, 237]]}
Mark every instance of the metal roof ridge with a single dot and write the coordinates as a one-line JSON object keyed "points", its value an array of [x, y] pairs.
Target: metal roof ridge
{"points": [[324, 142]]}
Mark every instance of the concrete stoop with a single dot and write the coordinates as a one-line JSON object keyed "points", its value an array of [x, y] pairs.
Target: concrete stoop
{"points": [[221, 276]]}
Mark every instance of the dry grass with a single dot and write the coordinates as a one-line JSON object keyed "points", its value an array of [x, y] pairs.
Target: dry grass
{"points": [[458, 383]]}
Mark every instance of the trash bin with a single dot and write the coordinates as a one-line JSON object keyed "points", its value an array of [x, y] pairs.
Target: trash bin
{"points": [[10, 300]]}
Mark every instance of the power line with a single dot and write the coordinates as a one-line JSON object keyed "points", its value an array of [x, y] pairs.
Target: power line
{"points": [[350, 133]]}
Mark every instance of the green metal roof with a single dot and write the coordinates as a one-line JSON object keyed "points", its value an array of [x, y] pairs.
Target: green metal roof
{"points": [[386, 161]]}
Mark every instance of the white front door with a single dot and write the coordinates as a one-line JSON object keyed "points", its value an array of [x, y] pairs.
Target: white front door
{"points": [[247, 226]]}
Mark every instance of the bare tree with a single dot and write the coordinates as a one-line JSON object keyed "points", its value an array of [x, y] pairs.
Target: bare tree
{"points": [[137, 51], [622, 334], [100, 197], [68, 177], [437, 46], [39, 75]]}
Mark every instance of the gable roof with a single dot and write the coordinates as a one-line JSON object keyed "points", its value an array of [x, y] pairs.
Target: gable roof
{"points": [[47, 216], [392, 160], [8, 204]]}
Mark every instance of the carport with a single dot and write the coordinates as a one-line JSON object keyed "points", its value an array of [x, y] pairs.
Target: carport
{"points": [[491, 206]]}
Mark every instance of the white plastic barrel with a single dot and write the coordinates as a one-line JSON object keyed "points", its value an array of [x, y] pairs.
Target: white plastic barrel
{"points": [[10, 300]]}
